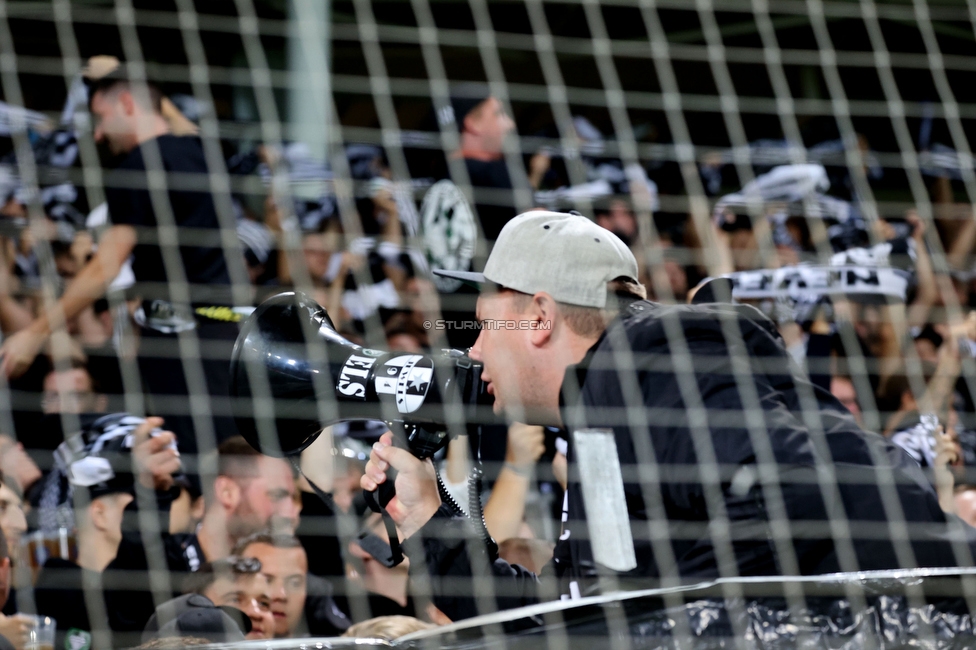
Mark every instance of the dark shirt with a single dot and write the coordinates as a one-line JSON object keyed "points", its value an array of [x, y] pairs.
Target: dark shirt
{"points": [[127, 591], [323, 614], [383, 606], [192, 209], [376, 605], [130, 602], [317, 531], [494, 208], [380, 606], [60, 594]]}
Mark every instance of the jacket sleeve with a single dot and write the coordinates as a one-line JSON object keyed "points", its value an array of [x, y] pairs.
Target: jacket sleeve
{"points": [[463, 580]]}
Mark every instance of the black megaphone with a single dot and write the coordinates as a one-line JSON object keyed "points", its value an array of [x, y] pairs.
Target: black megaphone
{"points": [[292, 374]]}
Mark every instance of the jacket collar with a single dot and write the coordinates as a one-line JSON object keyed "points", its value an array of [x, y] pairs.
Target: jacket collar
{"points": [[576, 374]]}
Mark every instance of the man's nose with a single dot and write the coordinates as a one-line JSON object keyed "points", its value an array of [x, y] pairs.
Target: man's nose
{"points": [[19, 520], [288, 509], [475, 351], [278, 591], [253, 611], [99, 134], [286, 519]]}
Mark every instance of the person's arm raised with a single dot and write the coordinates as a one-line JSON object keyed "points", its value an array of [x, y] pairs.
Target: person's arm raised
{"points": [[928, 287], [505, 509], [115, 246], [13, 315]]}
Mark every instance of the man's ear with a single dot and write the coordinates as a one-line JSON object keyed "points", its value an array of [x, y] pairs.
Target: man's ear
{"points": [[472, 122], [127, 101], [227, 492], [541, 316], [97, 514], [907, 402]]}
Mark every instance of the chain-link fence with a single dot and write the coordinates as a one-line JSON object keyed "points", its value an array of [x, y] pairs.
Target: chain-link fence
{"points": [[728, 352]]}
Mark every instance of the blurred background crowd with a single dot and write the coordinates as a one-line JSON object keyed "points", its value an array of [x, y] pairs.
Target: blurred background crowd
{"points": [[875, 307]]}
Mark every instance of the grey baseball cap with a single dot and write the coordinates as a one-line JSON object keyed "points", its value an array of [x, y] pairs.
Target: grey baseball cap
{"points": [[565, 255]]}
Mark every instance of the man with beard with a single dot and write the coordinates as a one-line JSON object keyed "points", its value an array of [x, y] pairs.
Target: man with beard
{"points": [[250, 493]]}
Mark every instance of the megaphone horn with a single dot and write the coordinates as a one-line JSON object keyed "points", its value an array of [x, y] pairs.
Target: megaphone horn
{"points": [[292, 374]]}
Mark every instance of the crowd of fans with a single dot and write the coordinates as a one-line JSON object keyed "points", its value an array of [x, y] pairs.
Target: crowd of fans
{"points": [[103, 520]]}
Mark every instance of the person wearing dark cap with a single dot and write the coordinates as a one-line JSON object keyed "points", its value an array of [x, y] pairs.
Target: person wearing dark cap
{"points": [[195, 615], [128, 121], [294, 592], [640, 385], [237, 582], [484, 124], [100, 466]]}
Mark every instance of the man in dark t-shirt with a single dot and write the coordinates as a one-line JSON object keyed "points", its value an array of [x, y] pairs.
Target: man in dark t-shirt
{"points": [[200, 252], [204, 267], [128, 121], [484, 125]]}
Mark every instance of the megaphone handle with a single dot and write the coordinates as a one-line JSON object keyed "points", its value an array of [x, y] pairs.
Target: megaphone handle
{"points": [[377, 501], [378, 498], [387, 489], [382, 495]]}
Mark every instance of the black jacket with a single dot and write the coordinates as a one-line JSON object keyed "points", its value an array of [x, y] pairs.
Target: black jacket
{"points": [[128, 594], [59, 592], [721, 403]]}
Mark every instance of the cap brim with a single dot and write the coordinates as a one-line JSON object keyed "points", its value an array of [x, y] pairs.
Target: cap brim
{"points": [[239, 617], [714, 290], [470, 277]]}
